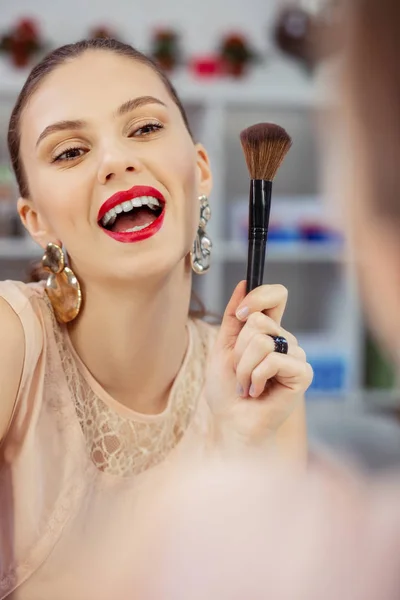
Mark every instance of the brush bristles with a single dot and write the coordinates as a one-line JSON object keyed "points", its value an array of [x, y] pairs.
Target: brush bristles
{"points": [[265, 146]]}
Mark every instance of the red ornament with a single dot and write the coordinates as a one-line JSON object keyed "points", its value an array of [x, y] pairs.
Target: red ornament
{"points": [[206, 66], [22, 42], [27, 30]]}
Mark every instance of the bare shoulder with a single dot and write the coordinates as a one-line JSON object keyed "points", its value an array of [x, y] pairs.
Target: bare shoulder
{"points": [[12, 352]]}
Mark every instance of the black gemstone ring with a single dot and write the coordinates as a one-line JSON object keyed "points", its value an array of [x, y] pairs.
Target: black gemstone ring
{"points": [[281, 345]]}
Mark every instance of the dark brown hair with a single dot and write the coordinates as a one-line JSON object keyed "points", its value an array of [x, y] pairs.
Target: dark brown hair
{"points": [[372, 80], [47, 65]]}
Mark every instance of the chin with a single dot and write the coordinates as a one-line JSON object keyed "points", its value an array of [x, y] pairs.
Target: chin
{"points": [[149, 267]]}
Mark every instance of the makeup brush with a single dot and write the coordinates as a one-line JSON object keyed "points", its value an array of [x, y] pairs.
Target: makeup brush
{"points": [[265, 146]]}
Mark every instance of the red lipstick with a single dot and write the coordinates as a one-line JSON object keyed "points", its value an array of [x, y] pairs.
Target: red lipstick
{"points": [[118, 198]]}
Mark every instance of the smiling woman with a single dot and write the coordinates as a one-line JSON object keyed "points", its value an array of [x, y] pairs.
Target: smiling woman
{"points": [[110, 387]]}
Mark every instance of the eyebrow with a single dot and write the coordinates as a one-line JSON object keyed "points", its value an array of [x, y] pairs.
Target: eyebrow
{"points": [[126, 107]]}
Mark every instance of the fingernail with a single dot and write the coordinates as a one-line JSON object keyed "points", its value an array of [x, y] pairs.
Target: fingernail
{"points": [[239, 390], [242, 312], [251, 390]]}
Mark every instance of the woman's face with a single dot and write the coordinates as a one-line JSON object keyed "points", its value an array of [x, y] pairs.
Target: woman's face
{"points": [[99, 125]]}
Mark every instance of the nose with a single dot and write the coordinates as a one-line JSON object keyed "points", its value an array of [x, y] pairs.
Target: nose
{"points": [[115, 163]]}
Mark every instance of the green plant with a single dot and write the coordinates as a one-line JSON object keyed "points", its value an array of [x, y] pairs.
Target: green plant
{"points": [[234, 49], [165, 47]]}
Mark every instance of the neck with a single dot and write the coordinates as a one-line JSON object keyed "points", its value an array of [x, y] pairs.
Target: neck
{"points": [[133, 340]]}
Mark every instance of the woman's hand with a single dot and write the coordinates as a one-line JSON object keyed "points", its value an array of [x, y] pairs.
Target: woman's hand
{"points": [[250, 388]]}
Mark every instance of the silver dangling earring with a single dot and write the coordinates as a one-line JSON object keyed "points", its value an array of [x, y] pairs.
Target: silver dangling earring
{"points": [[200, 256]]}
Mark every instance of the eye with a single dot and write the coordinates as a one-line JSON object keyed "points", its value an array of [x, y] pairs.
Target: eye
{"points": [[69, 154], [146, 129]]}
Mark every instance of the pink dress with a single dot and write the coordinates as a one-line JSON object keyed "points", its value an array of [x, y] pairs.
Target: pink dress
{"points": [[77, 469]]}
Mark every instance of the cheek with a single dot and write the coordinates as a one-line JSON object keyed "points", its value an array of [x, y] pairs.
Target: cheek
{"points": [[183, 168], [59, 196], [48, 197], [183, 165]]}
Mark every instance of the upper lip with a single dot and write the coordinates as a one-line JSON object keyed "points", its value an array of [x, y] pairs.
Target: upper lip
{"points": [[134, 192]]}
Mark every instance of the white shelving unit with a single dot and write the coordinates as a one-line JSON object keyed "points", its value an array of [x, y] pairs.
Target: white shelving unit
{"points": [[296, 252], [18, 248], [323, 310], [283, 94]]}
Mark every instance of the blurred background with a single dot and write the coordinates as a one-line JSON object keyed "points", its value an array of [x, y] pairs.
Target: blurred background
{"points": [[234, 64]]}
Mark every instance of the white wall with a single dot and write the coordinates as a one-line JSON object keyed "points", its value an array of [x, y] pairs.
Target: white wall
{"points": [[200, 21]]}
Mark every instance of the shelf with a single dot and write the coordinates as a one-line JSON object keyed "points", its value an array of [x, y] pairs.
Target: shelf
{"points": [[14, 248], [381, 399], [273, 85], [279, 82], [226, 251], [362, 399], [19, 248]]}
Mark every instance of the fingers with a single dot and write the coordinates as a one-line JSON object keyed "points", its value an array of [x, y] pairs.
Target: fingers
{"points": [[270, 299], [292, 373], [254, 344], [259, 348], [247, 325], [258, 323], [231, 326]]}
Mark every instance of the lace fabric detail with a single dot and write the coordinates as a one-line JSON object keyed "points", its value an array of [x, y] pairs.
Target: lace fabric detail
{"points": [[122, 446]]}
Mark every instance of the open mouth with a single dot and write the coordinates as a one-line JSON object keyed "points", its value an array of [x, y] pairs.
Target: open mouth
{"points": [[134, 218]]}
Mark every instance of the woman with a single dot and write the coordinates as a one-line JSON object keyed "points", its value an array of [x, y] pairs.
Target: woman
{"points": [[333, 534], [106, 393]]}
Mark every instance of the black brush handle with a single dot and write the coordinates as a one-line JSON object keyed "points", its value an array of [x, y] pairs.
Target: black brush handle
{"points": [[259, 212], [255, 263]]}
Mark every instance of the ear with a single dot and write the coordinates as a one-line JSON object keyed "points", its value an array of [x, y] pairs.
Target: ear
{"points": [[204, 170], [34, 223]]}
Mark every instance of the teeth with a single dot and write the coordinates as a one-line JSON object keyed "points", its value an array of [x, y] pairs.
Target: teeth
{"points": [[152, 202], [127, 205], [137, 228], [111, 214]]}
